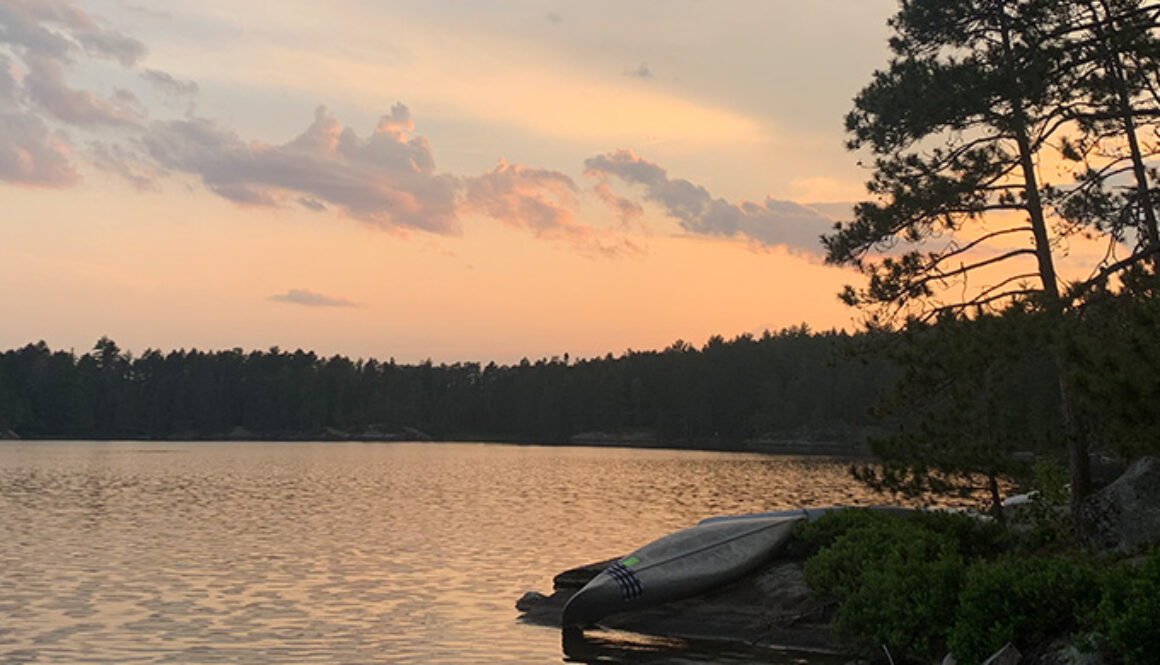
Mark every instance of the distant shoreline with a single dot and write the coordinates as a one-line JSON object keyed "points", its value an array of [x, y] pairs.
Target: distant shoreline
{"points": [[766, 447]]}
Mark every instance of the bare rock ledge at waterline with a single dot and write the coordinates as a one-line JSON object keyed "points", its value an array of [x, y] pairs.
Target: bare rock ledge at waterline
{"points": [[770, 608]]}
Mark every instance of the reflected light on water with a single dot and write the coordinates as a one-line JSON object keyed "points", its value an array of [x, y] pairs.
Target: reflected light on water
{"points": [[255, 553]]}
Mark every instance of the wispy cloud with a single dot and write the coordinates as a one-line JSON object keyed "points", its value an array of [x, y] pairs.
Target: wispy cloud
{"points": [[641, 72], [170, 84], [32, 154], [38, 107], [308, 298], [770, 222]]}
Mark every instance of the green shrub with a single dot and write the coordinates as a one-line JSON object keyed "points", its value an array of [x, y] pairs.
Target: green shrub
{"points": [[896, 583], [1129, 612], [973, 537], [810, 537], [1045, 520], [1025, 601]]}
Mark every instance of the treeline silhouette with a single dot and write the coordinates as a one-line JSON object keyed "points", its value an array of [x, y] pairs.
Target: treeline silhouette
{"points": [[792, 383]]}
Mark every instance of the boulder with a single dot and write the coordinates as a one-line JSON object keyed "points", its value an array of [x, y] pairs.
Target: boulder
{"points": [[1125, 515], [1063, 652]]}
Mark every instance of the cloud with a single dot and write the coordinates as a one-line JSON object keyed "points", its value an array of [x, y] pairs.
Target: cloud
{"points": [[308, 298], [46, 86], [312, 204], [835, 211], [641, 72], [771, 222], [58, 29], [47, 37], [170, 85], [141, 172], [554, 17], [387, 179], [541, 201], [31, 154], [627, 210], [519, 196]]}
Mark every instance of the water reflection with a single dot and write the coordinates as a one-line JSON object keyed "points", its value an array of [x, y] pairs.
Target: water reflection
{"points": [[357, 553], [632, 649]]}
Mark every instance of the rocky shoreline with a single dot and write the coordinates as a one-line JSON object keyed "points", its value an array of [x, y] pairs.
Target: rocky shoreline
{"points": [[770, 614], [771, 610]]}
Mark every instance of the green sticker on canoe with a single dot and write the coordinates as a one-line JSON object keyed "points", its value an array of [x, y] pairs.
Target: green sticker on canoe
{"points": [[630, 561]]}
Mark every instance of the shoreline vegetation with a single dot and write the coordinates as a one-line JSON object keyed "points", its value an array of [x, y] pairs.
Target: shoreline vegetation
{"points": [[794, 391], [636, 440], [927, 583]]}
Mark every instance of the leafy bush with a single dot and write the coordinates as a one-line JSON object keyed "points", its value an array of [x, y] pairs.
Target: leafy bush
{"points": [[1025, 601], [810, 537], [1129, 612], [896, 582], [973, 537], [1045, 520]]}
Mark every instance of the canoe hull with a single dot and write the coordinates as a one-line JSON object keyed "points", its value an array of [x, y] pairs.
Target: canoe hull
{"points": [[680, 565]]}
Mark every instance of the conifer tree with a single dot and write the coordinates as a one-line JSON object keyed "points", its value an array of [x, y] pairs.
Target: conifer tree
{"points": [[976, 93]]}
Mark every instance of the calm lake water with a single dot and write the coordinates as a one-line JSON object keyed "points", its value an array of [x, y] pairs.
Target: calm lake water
{"points": [[131, 552]]}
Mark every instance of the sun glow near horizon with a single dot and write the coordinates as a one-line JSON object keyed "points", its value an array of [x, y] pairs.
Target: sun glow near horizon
{"points": [[412, 182]]}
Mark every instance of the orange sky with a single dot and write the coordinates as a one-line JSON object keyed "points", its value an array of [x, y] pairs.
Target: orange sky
{"points": [[454, 181]]}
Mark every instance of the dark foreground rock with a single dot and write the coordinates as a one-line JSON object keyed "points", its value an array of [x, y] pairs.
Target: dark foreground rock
{"points": [[1062, 652], [1125, 515], [770, 608], [1008, 655]]}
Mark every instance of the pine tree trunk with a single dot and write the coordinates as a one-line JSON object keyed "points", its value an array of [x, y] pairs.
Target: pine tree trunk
{"points": [[1078, 462], [1127, 114]]}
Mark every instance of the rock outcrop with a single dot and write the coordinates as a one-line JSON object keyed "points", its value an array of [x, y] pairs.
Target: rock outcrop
{"points": [[1125, 515], [771, 608]]}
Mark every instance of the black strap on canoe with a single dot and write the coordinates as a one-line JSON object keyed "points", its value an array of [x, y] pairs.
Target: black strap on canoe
{"points": [[630, 586]]}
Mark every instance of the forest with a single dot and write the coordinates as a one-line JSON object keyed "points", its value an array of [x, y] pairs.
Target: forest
{"points": [[786, 384], [791, 385]]}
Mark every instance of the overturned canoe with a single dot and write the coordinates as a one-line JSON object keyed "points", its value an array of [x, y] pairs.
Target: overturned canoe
{"points": [[679, 565], [810, 514]]}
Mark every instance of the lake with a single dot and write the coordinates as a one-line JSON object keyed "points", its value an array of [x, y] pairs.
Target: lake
{"points": [[258, 552]]}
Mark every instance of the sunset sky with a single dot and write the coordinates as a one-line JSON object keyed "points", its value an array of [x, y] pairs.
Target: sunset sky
{"points": [[458, 180]]}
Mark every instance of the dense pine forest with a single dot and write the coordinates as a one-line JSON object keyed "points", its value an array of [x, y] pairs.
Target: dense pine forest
{"points": [[790, 385], [720, 394]]}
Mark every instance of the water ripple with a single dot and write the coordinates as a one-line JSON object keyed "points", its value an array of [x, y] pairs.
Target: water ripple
{"points": [[336, 553]]}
